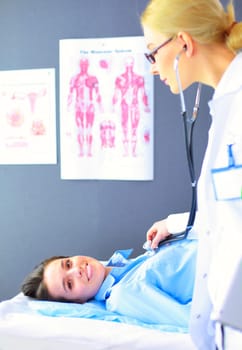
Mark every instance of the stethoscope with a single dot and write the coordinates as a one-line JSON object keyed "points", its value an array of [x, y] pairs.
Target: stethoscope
{"points": [[188, 124]]}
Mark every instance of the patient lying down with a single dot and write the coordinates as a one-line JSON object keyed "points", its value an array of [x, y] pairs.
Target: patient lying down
{"points": [[153, 288]]}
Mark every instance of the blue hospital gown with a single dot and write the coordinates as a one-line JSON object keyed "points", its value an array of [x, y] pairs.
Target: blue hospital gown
{"points": [[155, 289]]}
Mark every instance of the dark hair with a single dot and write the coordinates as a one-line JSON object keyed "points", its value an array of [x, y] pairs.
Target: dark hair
{"points": [[33, 285]]}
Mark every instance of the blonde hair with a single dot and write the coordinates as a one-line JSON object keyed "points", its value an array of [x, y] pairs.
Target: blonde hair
{"points": [[205, 20]]}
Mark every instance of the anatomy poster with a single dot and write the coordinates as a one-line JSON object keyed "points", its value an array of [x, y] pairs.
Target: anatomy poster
{"points": [[106, 109], [27, 117]]}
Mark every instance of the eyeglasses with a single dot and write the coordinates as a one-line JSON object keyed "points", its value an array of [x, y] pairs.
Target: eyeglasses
{"points": [[151, 56]]}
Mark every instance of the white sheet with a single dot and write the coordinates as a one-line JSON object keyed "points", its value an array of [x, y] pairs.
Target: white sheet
{"points": [[22, 328]]}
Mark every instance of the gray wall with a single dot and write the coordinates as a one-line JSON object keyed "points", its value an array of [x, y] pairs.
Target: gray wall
{"points": [[41, 215]]}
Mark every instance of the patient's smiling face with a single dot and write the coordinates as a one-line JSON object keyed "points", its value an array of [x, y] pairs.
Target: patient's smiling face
{"points": [[76, 278]]}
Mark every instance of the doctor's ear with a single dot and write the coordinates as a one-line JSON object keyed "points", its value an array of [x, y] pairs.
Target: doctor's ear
{"points": [[187, 43]]}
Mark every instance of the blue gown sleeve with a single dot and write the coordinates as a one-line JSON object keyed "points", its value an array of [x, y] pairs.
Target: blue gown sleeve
{"points": [[149, 305]]}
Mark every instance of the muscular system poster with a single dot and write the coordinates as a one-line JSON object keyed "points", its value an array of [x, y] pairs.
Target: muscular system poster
{"points": [[106, 109]]}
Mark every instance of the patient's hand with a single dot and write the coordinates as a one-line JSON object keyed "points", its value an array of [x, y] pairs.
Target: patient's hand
{"points": [[157, 233]]}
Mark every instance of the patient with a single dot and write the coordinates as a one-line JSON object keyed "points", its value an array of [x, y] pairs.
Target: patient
{"points": [[153, 288]]}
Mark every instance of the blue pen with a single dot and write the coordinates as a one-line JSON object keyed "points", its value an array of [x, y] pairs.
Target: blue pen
{"points": [[231, 156]]}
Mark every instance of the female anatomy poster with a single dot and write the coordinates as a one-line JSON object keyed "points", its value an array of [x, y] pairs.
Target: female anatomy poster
{"points": [[27, 117], [106, 109]]}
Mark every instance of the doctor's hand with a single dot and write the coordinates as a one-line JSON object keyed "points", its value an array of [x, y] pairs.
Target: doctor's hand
{"points": [[157, 233]]}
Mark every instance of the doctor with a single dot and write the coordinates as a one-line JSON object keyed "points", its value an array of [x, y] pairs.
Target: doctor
{"points": [[208, 39]]}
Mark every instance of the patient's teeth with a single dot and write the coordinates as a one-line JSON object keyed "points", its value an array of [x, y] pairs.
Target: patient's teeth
{"points": [[89, 272]]}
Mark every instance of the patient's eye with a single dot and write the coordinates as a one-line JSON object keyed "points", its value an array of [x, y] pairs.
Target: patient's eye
{"points": [[69, 285], [68, 263]]}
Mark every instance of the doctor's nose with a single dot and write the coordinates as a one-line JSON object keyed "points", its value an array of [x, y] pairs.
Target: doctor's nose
{"points": [[153, 69]]}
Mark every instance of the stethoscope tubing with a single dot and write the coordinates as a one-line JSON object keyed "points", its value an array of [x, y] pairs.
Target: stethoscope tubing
{"points": [[188, 124]]}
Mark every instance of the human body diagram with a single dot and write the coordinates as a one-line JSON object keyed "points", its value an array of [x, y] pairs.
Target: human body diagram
{"points": [[84, 91], [127, 95], [129, 92]]}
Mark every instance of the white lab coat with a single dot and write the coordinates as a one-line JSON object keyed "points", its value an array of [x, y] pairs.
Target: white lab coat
{"points": [[218, 224]]}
